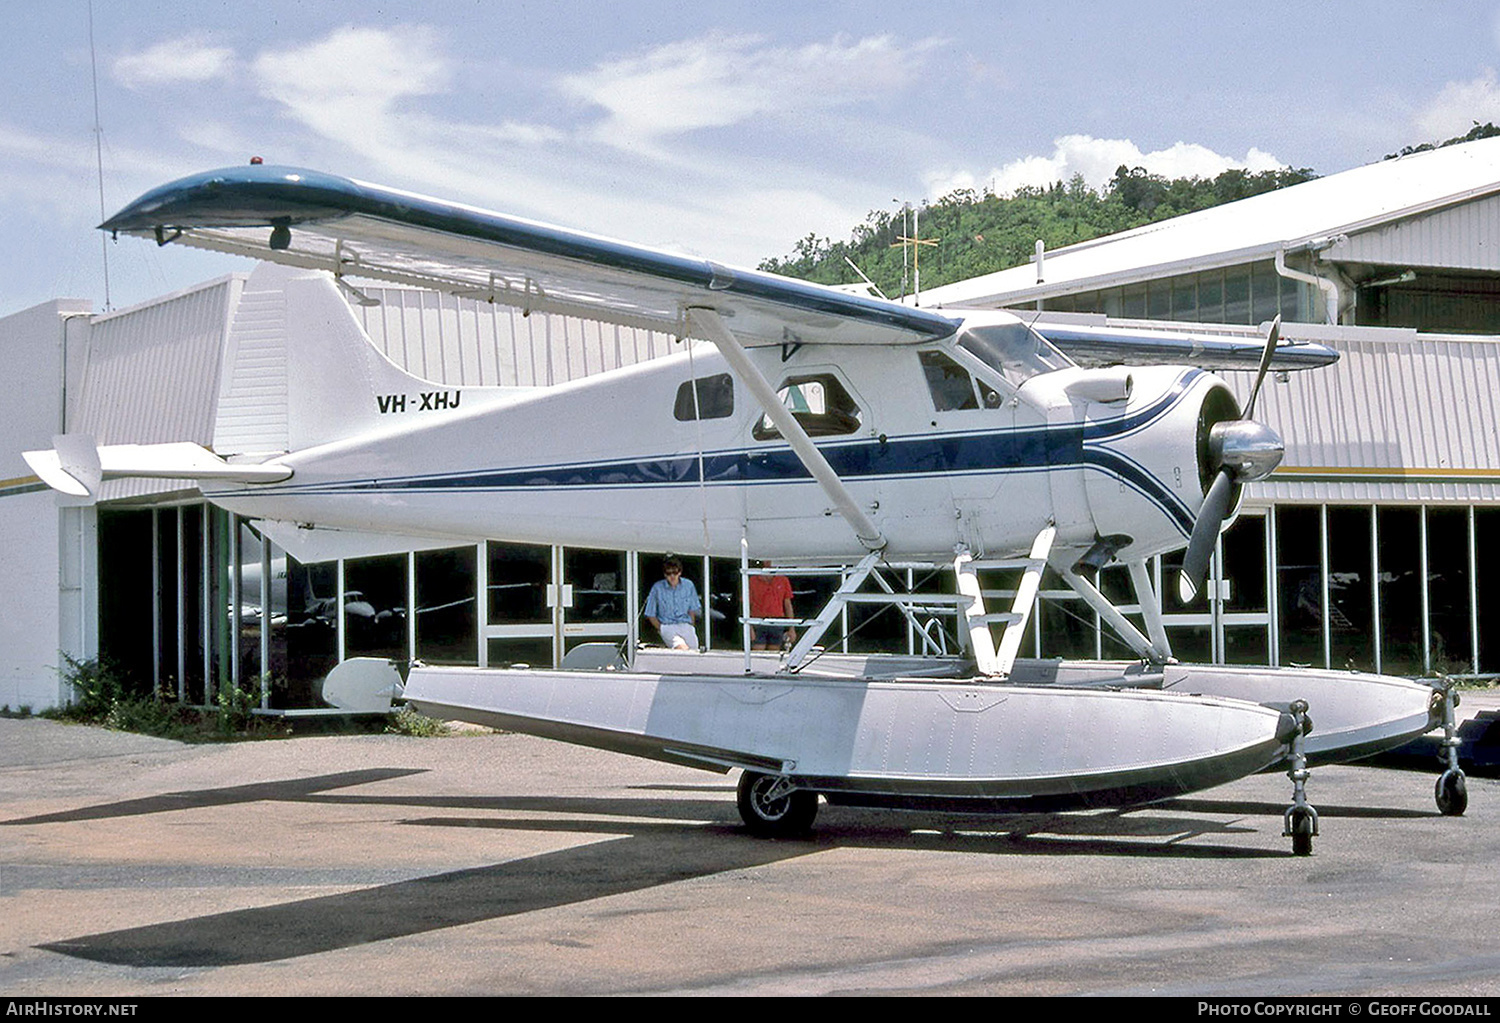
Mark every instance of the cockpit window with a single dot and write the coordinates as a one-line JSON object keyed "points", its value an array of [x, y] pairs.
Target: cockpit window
{"points": [[819, 402], [714, 400], [949, 383], [1014, 349]]}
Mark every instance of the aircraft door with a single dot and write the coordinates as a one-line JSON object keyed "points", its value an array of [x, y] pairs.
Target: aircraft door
{"points": [[974, 419], [842, 425]]}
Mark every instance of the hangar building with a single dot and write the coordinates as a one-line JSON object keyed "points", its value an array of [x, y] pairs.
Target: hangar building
{"points": [[1375, 545]]}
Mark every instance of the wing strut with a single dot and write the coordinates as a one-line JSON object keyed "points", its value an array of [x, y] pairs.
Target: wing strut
{"points": [[708, 324]]}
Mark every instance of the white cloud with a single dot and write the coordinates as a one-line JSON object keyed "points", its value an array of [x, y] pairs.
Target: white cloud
{"points": [[352, 85], [1097, 160], [187, 59], [1458, 106], [719, 80]]}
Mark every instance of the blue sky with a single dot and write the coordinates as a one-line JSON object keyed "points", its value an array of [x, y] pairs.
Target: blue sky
{"points": [[724, 130]]}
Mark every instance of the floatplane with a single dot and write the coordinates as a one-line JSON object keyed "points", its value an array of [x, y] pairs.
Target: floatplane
{"points": [[816, 426]]}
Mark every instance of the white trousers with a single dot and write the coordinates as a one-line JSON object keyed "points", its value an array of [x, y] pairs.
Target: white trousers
{"points": [[680, 636]]}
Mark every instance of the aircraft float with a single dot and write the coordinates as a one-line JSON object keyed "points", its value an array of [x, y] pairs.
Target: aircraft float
{"points": [[818, 426]]}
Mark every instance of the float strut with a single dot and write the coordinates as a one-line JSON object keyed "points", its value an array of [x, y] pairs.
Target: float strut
{"points": [[1300, 822], [1451, 791]]}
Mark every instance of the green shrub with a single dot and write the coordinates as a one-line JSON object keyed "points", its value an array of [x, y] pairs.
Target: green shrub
{"points": [[408, 722]]}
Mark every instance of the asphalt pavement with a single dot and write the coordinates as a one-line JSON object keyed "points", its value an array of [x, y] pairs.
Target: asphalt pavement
{"points": [[503, 864]]}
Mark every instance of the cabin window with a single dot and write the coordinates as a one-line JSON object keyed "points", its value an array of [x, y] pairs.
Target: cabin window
{"points": [[715, 398], [949, 383], [819, 403], [1014, 350]]}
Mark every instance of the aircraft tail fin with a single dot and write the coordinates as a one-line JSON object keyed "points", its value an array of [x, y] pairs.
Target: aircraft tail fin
{"points": [[300, 371]]}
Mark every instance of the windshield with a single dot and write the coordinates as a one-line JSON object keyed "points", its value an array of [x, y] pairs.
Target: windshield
{"points": [[1014, 349]]}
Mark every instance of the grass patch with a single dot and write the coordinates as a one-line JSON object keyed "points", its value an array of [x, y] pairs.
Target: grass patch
{"points": [[103, 696]]}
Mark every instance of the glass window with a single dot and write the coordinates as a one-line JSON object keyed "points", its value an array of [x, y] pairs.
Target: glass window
{"points": [[1237, 295], [1012, 349], [950, 385], [252, 615], [1133, 301], [375, 606], [1487, 585], [1299, 584], [715, 398], [1295, 307], [447, 624], [1350, 599], [598, 581], [125, 597], [1265, 289], [1185, 297], [1159, 300], [1244, 548], [819, 403], [1400, 590], [518, 578], [311, 630], [1211, 297], [1448, 590]]}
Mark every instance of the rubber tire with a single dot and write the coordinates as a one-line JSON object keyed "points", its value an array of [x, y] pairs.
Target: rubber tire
{"points": [[1302, 833], [791, 815], [1451, 793]]}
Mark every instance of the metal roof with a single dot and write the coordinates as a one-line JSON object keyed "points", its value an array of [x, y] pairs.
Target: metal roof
{"points": [[1316, 213]]}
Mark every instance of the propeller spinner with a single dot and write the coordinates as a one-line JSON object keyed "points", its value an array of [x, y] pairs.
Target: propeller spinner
{"points": [[1244, 451]]}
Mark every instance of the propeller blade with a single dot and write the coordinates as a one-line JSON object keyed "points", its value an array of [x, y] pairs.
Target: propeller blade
{"points": [[1200, 547], [1272, 337]]}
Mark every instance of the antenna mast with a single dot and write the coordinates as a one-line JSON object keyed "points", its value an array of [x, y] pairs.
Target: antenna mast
{"points": [[99, 155]]}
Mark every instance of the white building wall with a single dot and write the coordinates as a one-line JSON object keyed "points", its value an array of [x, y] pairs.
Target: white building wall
{"points": [[34, 346]]}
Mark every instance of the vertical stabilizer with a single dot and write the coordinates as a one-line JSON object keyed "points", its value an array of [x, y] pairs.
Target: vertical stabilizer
{"points": [[299, 369]]}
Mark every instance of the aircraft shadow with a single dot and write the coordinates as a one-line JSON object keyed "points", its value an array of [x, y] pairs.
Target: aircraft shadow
{"points": [[1249, 808], [278, 791], [651, 841]]}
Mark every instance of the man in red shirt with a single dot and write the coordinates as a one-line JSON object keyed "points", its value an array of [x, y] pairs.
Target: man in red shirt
{"points": [[771, 597]]}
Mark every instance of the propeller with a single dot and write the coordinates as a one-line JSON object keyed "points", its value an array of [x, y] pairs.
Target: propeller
{"points": [[1245, 451]]}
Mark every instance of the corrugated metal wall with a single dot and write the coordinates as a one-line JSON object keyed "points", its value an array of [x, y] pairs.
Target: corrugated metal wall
{"points": [[1407, 417], [465, 342], [1460, 237], [153, 375]]}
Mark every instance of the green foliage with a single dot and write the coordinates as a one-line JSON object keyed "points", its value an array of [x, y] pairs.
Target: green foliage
{"points": [[235, 707], [1480, 131], [94, 686], [979, 233], [102, 695], [408, 722]]}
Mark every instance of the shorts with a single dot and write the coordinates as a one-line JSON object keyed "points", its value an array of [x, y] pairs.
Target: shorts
{"points": [[769, 636]]}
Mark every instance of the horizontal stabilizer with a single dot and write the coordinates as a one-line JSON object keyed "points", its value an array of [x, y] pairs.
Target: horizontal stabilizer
{"points": [[76, 466], [309, 543]]}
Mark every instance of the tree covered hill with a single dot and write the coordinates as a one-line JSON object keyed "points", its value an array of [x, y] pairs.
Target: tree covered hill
{"points": [[980, 232]]}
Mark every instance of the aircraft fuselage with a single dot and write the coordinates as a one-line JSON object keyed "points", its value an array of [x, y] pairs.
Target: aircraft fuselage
{"points": [[941, 447]]}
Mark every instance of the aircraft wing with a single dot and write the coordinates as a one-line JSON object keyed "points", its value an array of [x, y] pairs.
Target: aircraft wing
{"points": [[1090, 345], [322, 221]]}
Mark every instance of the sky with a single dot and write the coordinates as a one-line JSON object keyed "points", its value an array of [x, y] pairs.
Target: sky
{"points": [[722, 130]]}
